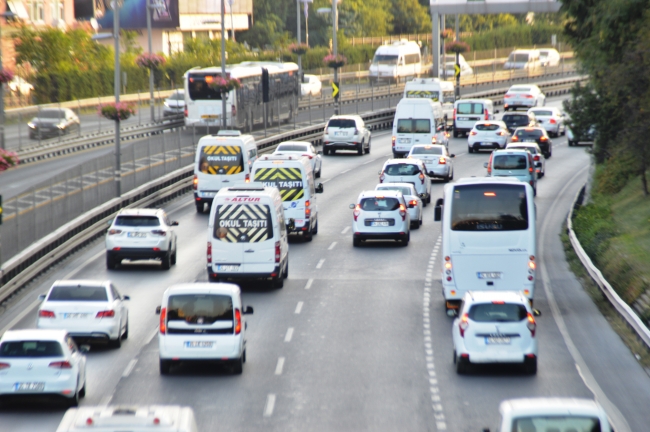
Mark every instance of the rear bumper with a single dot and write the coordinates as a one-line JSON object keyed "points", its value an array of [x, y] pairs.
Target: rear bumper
{"points": [[496, 357], [223, 349], [341, 145], [136, 253], [99, 331], [54, 386], [380, 236], [244, 276]]}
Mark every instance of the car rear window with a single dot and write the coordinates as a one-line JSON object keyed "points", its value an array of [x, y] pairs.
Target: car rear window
{"points": [[487, 127], [543, 113], [519, 89], [292, 147], [30, 349], [137, 221], [342, 123], [531, 149], [400, 189], [402, 170], [532, 133], [556, 423], [243, 223], [78, 293], [413, 126], [516, 120], [497, 312], [221, 159], [518, 58], [509, 162], [469, 108], [200, 308], [430, 150], [177, 96], [379, 204]]}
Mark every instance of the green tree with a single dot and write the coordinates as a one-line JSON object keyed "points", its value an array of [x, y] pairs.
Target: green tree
{"points": [[409, 16]]}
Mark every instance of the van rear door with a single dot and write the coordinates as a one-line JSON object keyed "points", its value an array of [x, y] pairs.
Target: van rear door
{"points": [[219, 166], [289, 181]]}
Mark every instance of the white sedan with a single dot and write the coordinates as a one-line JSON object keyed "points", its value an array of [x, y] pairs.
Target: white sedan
{"points": [[436, 158], [413, 202], [551, 119], [311, 85], [302, 148], [488, 134], [524, 96]]}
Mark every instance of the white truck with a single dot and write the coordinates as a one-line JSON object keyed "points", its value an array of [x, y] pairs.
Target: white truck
{"points": [[435, 89]]}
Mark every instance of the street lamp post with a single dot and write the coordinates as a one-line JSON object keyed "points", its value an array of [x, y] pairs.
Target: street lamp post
{"points": [[223, 62], [6, 15], [151, 100], [232, 23], [116, 38], [335, 27]]}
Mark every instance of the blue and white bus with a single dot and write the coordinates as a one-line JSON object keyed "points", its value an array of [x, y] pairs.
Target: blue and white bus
{"points": [[488, 237]]}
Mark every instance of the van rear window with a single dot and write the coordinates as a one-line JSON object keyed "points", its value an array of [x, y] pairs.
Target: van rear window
{"points": [[487, 127], [469, 108], [489, 207], [287, 180], [243, 223], [414, 126], [221, 160], [509, 162], [200, 308], [379, 204], [497, 312]]}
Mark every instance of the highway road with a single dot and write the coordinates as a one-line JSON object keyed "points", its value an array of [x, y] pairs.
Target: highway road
{"points": [[358, 338]]}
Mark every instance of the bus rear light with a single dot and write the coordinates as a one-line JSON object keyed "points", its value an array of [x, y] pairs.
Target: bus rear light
{"points": [[433, 140], [530, 277], [448, 278], [532, 325], [195, 182], [463, 324], [532, 265], [247, 179], [209, 252], [163, 320]]}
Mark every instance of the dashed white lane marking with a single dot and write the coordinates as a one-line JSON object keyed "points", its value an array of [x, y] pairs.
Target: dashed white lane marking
{"points": [[347, 170], [332, 246], [106, 400], [370, 161], [279, 366], [326, 180], [309, 282], [287, 337], [129, 368], [299, 307], [346, 229], [270, 405], [151, 336], [320, 263]]}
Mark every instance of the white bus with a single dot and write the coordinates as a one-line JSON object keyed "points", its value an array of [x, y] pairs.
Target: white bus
{"points": [[396, 62], [488, 238], [245, 105]]}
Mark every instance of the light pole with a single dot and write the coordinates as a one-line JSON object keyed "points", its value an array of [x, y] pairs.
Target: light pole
{"points": [[306, 10], [150, 9], [232, 23], [6, 15], [335, 49], [223, 62], [116, 37], [298, 38]]}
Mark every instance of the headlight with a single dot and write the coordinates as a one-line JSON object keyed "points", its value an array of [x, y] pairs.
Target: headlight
{"points": [[167, 105], [61, 125], [31, 125]]}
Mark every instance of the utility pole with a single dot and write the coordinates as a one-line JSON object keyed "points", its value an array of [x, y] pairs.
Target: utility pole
{"points": [[335, 27], [223, 63], [116, 85], [151, 99]]}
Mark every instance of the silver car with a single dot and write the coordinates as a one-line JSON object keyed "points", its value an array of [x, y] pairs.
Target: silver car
{"points": [[538, 157], [436, 158], [302, 148], [523, 95], [174, 105], [413, 202], [346, 132], [551, 119]]}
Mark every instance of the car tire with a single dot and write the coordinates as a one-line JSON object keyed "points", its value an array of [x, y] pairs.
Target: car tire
{"points": [[405, 242], [429, 198], [73, 402], [317, 175], [278, 282], [115, 343], [82, 391], [420, 221], [356, 242], [199, 207], [110, 262], [285, 274], [165, 367], [166, 261], [415, 224], [571, 144], [368, 149], [238, 366], [530, 366], [326, 151], [173, 258], [455, 133], [307, 236], [360, 149], [314, 230], [462, 365], [470, 150], [126, 331]]}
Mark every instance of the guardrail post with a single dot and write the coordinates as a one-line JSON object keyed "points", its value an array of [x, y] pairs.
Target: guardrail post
{"points": [[180, 149], [154, 101], [164, 152], [278, 115], [139, 108], [193, 133], [310, 107], [20, 142], [96, 184], [34, 212]]}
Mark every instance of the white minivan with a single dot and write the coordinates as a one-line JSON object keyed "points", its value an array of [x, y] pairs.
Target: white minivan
{"points": [[202, 322], [247, 235], [154, 418], [434, 89], [294, 178], [396, 62], [468, 111], [415, 122], [221, 160]]}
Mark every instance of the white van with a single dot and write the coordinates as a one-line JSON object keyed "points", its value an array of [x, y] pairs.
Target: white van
{"points": [[154, 418], [247, 235], [523, 59], [202, 322], [468, 111], [396, 62], [415, 123], [434, 89], [294, 178], [221, 160]]}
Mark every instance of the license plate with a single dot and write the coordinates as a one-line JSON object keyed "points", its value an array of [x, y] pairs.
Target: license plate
{"points": [[38, 386], [379, 224], [207, 194], [198, 344], [340, 133], [405, 140], [228, 267], [497, 340], [75, 315], [462, 118], [210, 116], [489, 275], [530, 140], [136, 234]]}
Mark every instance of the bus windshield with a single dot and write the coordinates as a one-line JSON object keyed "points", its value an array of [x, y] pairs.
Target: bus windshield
{"points": [[489, 207]]}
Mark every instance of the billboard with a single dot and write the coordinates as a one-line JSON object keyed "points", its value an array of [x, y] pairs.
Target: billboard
{"points": [[133, 14], [493, 6]]}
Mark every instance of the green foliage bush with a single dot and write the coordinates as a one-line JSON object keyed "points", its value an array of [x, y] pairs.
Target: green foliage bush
{"points": [[514, 35]]}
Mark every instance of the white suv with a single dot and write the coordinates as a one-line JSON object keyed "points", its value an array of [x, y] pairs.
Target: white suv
{"points": [[140, 234], [495, 327], [380, 215], [346, 132], [408, 171]]}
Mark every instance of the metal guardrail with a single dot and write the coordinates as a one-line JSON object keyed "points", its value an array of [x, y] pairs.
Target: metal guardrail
{"points": [[623, 309]]}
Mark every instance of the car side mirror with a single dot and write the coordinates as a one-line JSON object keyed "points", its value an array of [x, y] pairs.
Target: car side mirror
{"points": [[352, 206], [174, 223], [319, 188], [248, 310], [452, 155], [84, 348], [485, 165], [126, 297], [537, 312], [157, 310], [41, 297]]}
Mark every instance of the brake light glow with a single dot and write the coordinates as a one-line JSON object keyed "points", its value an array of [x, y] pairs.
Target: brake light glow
{"points": [[248, 178], [307, 209], [278, 252], [501, 133], [163, 320], [195, 182], [413, 202], [105, 314], [308, 155], [454, 114], [159, 232], [515, 138], [185, 112], [487, 116], [489, 194], [536, 158], [530, 169], [552, 121], [402, 211], [433, 140], [61, 365], [356, 212], [528, 96], [507, 96], [4, 366], [532, 265], [209, 252], [114, 231], [473, 133], [393, 141], [237, 321], [543, 138], [46, 314], [421, 178], [463, 324], [381, 177], [498, 302], [442, 161], [532, 325]]}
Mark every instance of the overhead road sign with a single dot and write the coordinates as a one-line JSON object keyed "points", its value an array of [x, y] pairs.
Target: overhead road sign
{"points": [[480, 7]]}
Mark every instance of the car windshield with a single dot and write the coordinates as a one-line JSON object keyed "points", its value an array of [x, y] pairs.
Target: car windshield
{"points": [[137, 221], [200, 308], [428, 150], [402, 170], [385, 59], [532, 133], [177, 96], [519, 90], [543, 113], [78, 293], [379, 204], [516, 119], [509, 162], [401, 189], [469, 108], [556, 423], [489, 207], [31, 349], [497, 312], [51, 114], [487, 127], [518, 58], [342, 123], [292, 148]]}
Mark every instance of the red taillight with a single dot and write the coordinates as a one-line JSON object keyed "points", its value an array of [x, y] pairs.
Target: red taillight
{"points": [[543, 138], [552, 121], [209, 252], [421, 178], [61, 365], [487, 116], [309, 156], [45, 314], [433, 140], [507, 96], [442, 161], [237, 321], [489, 167], [528, 96], [114, 232], [356, 212], [536, 158], [532, 325], [307, 208], [515, 138], [185, 112], [501, 133], [463, 324], [454, 114], [278, 252], [4, 366], [247, 179], [381, 177], [159, 232], [473, 133], [402, 211], [163, 320], [393, 141], [413, 202], [105, 314], [530, 169], [195, 182]]}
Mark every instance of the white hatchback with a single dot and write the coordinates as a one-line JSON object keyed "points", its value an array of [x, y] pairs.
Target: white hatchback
{"points": [[488, 135], [42, 363], [524, 96], [551, 119], [413, 201], [495, 327], [302, 148], [412, 171], [436, 158], [86, 309], [380, 215]]}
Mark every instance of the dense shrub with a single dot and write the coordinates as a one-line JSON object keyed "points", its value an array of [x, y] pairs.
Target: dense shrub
{"points": [[513, 36]]}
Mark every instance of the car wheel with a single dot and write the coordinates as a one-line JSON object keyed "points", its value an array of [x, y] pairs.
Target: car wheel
{"points": [[462, 365], [470, 149], [326, 151], [173, 258], [165, 366], [317, 175], [405, 241], [115, 343], [307, 235], [285, 275], [167, 261], [278, 282], [369, 141], [199, 207], [415, 224], [126, 331], [530, 366], [238, 366], [356, 242], [314, 230], [212, 279], [455, 133], [110, 262], [73, 402], [360, 150], [429, 198], [82, 392]]}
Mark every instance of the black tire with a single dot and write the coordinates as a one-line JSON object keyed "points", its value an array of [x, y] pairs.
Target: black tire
{"points": [[307, 236], [317, 175], [446, 179], [278, 282], [360, 149], [115, 343], [238, 366], [110, 262], [420, 221], [285, 275], [462, 365], [368, 149], [165, 367], [530, 366], [243, 356], [199, 207], [571, 143], [82, 392], [73, 402], [470, 150], [166, 261], [173, 258], [405, 242], [314, 230], [415, 225], [356, 242], [455, 133], [212, 279], [126, 331], [326, 151]]}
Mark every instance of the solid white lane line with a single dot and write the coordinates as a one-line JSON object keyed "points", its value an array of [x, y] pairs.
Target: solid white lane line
{"points": [[299, 307], [320, 263], [326, 180], [279, 366], [270, 405], [347, 170], [346, 229], [332, 246], [309, 282], [106, 400], [129, 368], [287, 337]]}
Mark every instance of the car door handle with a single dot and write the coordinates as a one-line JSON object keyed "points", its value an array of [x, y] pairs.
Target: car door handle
{"points": [[249, 251]]}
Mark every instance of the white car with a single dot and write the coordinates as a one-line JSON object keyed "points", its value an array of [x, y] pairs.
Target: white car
{"points": [[538, 156], [552, 414], [549, 57], [132, 418], [436, 158], [495, 327], [413, 202], [141, 234], [523, 96], [174, 105], [551, 119], [346, 132], [311, 85], [86, 309], [380, 215], [42, 363], [302, 148], [492, 134], [408, 171]]}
